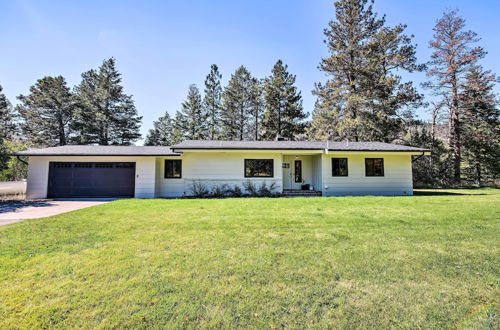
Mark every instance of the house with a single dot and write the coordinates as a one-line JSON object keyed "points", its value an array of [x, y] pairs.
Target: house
{"points": [[329, 168]]}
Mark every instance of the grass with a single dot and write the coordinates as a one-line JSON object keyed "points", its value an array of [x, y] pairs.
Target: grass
{"points": [[428, 261]]}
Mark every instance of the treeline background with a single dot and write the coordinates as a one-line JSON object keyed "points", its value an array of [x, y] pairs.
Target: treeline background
{"points": [[363, 98]]}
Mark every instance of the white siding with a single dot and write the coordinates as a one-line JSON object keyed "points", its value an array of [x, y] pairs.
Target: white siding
{"points": [[214, 168], [397, 179], [38, 173], [316, 172]]}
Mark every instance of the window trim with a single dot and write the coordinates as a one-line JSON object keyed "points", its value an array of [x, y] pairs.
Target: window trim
{"points": [[347, 167], [165, 169], [250, 176], [366, 168]]}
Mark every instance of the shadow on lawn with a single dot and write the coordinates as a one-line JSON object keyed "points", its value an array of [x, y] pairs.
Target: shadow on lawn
{"points": [[444, 193], [14, 205]]}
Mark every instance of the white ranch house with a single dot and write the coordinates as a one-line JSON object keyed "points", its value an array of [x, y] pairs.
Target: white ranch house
{"points": [[327, 168]]}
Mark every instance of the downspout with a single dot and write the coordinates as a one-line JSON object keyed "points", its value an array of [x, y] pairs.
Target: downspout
{"points": [[21, 160], [415, 159]]}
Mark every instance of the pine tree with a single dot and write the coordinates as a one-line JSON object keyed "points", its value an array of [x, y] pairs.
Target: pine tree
{"points": [[8, 128], [283, 105], [106, 115], [481, 126], [364, 96], [241, 110], [161, 133], [8, 118], [47, 112], [192, 120], [177, 131], [212, 101], [453, 56]]}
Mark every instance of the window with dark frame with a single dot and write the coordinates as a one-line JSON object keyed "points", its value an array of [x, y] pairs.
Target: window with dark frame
{"points": [[259, 168], [298, 171], [173, 168], [339, 167], [374, 166]]}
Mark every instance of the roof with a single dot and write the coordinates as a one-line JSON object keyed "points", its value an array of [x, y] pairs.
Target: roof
{"points": [[295, 145], [91, 150]]}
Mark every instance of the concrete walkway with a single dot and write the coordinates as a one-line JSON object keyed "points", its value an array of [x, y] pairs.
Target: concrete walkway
{"points": [[15, 211]]}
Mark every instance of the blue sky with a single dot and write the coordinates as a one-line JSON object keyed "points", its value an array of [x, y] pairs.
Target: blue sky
{"points": [[163, 46]]}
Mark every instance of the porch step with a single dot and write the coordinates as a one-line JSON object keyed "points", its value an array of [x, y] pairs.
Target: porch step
{"points": [[301, 193]]}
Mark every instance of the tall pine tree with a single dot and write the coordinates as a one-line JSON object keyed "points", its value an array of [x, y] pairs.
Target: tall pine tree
{"points": [[364, 98], [212, 102], [106, 115], [47, 112], [192, 120], [8, 128], [8, 118], [242, 107], [481, 126], [161, 133], [453, 55], [283, 114]]}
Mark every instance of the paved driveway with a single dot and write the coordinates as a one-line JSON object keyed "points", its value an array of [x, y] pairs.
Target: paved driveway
{"points": [[15, 211]]}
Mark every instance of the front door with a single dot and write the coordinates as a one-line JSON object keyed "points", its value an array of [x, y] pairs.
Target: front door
{"points": [[287, 173], [292, 172]]}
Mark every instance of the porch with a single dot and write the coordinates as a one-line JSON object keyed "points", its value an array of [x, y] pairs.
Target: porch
{"points": [[302, 175]]}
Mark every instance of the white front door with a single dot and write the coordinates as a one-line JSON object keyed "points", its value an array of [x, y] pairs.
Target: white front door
{"points": [[287, 173], [292, 172]]}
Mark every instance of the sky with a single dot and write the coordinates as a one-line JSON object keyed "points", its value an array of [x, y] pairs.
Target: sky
{"points": [[161, 47]]}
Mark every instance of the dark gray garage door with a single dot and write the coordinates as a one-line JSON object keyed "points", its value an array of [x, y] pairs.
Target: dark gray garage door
{"points": [[71, 179]]}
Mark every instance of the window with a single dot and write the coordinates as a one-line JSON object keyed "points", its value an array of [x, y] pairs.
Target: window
{"points": [[374, 166], [286, 165], [339, 167], [259, 168], [298, 171], [173, 168]]}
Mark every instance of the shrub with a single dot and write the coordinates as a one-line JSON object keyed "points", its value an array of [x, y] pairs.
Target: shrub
{"points": [[267, 191], [219, 190], [235, 191], [251, 188], [199, 189]]}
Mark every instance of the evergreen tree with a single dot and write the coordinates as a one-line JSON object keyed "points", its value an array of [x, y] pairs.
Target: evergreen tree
{"points": [[106, 115], [481, 126], [177, 131], [8, 128], [161, 133], [453, 56], [8, 118], [364, 96], [192, 120], [212, 101], [241, 106], [47, 112], [283, 105]]}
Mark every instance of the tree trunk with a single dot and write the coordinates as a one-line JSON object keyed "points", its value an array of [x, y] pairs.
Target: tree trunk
{"points": [[456, 131]]}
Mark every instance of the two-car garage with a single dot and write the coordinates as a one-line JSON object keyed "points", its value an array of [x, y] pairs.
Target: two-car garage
{"points": [[91, 179]]}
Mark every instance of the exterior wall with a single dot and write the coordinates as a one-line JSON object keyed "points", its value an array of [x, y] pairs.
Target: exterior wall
{"points": [[397, 179], [214, 168], [316, 172], [38, 173]]}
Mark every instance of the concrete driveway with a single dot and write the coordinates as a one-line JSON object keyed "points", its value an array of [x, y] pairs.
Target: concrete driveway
{"points": [[15, 211]]}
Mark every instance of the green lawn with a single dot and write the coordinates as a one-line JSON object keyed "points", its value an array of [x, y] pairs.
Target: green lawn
{"points": [[428, 261]]}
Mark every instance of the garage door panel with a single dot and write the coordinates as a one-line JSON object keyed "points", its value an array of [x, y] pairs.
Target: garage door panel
{"points": [[78, 179]]}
